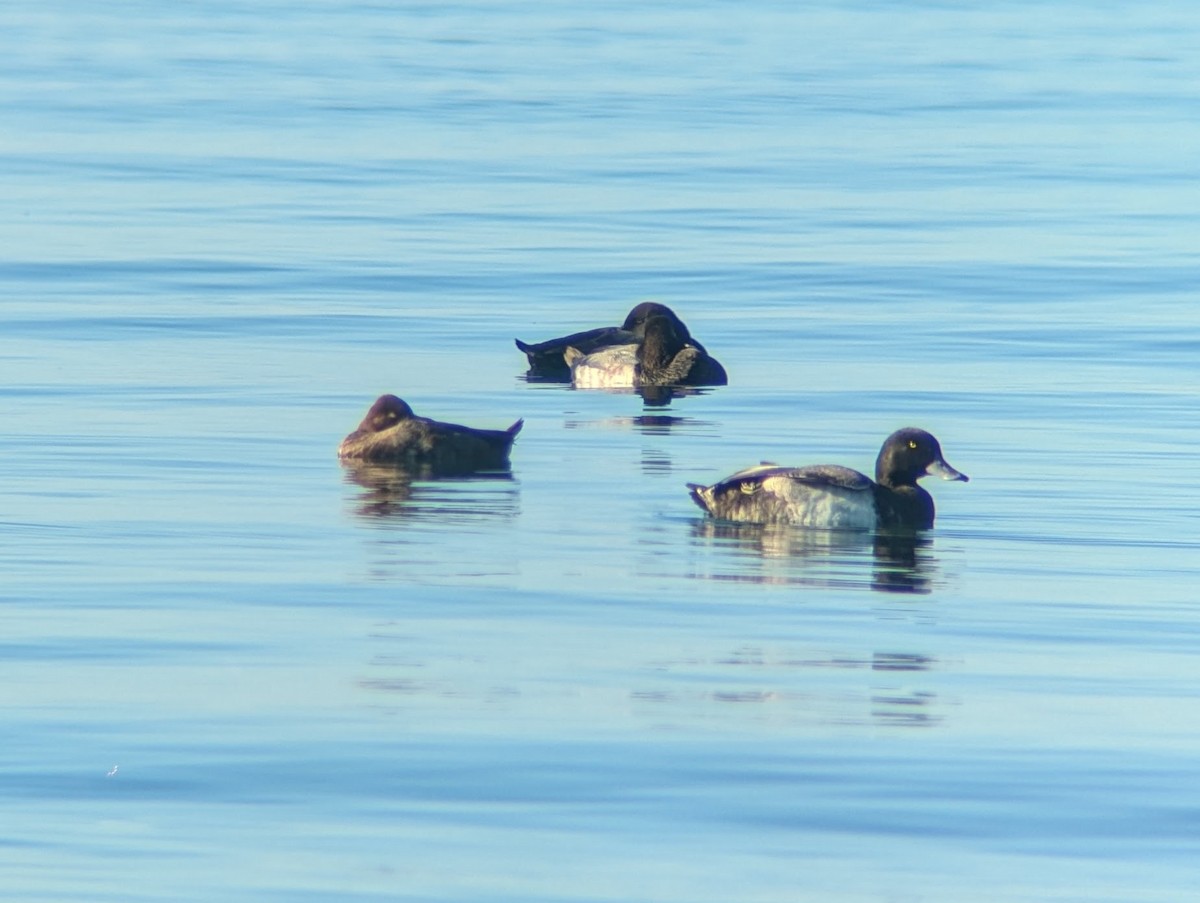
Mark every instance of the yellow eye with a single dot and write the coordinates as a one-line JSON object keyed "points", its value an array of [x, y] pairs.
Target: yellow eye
{"points": [[912, 443]]}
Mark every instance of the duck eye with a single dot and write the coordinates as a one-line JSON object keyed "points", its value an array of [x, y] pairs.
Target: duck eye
{"points": [[912, 443]]}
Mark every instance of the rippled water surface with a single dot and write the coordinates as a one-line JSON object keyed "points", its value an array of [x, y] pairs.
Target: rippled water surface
{"points": [[235, 669]]}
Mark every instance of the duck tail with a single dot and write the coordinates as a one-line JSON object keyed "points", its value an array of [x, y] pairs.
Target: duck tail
{"points": [[515, 428], [701, 495]]}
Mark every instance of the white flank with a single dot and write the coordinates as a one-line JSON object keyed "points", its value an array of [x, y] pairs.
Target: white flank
{"points": [[824, 507], [608, 368]]}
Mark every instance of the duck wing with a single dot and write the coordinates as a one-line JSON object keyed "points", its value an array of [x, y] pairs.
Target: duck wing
{"points": [[551, 350], [827, 476], [500, 440]]}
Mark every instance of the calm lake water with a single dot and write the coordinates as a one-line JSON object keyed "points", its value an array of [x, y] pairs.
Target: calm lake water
{"points": [[235, 670]]}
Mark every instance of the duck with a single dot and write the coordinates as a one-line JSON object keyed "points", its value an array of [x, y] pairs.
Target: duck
{"points": [[665, 356], [392, 433], [547, 360], [832, 497]]}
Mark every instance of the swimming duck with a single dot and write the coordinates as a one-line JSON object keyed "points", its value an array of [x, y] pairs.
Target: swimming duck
{"points": [[832, 497], [547, 359], [392, 433], [666, 356]]}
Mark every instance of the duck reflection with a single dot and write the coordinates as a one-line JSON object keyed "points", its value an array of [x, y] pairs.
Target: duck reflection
{"points": [[392, 491], [900, 705], [661, 396], [652, 396], [901, 561], [659, 424], [881, 688], [904, 562], [655, 396], [657, 463], [647, 424]]}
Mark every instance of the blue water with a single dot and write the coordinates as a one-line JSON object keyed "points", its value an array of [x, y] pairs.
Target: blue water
{"points": [[233, 669]]}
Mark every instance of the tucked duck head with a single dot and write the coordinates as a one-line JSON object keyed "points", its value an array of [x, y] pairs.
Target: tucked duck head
{"points": [[664, 338], [386, 412], [638, 318], [909, 454]]}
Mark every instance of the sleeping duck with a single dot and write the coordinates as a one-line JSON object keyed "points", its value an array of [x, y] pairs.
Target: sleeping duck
{"points": [[547, 360], [666, 356], [832, 497], [392, 433]]}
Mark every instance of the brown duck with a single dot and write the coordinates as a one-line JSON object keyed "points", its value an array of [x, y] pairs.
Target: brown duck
{"points": [[392, 433]]}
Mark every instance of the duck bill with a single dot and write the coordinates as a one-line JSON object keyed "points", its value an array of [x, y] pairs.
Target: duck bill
{"points": [[940, 468]]}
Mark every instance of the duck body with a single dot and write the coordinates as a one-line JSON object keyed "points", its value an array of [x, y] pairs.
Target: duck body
{"points": [[832, 497], [548, 358], [666, 355], [391, 433]]}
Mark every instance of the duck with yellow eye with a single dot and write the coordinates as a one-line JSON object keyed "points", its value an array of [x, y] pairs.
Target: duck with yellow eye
{"points": [[832, 497]]}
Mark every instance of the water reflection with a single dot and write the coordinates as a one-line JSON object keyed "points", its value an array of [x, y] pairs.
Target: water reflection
{"points": [[904, 563], [415, 671], [391, 491], [647, 424], [763, 684], [656, 462], [652, 396], [783, 554], [898, 705], [659, 396]]}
